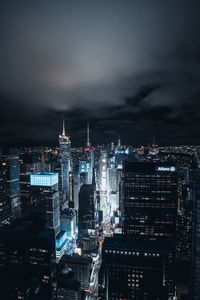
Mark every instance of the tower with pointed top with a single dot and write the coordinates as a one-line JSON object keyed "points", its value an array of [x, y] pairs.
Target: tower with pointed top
{"points": [[65, 158], [119, 142], [88, 144]]}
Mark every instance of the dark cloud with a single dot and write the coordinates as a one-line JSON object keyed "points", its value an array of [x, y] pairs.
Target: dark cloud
{"points": [[131, 68]]}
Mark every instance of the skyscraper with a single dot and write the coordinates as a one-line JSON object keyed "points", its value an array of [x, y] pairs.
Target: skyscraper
{"points": [[11, 175], [45, 197], [86, 214], [150, 205], [150, 200], [65, 158]]}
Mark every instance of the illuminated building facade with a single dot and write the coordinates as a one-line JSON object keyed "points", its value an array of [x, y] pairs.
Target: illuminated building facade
{"points": [[103, 170], [65, 158], [120, 156], [61, 244], [68, 222], [45, 197]]}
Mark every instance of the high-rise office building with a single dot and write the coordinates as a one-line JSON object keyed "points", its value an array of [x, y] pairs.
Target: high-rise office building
{"points": [[86, 213], [11, 182], [133, 269], [150, 200], [45, 197], [65, 157]]}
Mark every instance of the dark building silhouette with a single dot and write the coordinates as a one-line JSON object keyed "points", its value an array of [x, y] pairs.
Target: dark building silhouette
{"points": [[26, 168], [4, 199], [133, 269], [81, 267], [150, 200], [27, 260], [11, 181], [86, 214], [67, 286], [195, 278]]}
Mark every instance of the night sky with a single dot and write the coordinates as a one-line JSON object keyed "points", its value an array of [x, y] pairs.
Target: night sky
{"points": [[129, 67]]}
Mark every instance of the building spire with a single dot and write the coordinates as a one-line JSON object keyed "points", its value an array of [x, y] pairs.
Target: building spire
{"points": [[88, 135], [63, 132], [119, 141]]}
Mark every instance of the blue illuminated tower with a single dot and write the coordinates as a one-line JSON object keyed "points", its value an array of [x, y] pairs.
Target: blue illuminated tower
{"points": [[45, 197], [65, 157]]}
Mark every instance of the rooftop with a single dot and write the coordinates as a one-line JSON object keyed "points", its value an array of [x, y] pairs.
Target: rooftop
{"points": [[123, 243]]}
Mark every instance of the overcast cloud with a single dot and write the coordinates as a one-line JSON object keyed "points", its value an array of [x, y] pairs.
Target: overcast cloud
{"points": [[123, 65]]}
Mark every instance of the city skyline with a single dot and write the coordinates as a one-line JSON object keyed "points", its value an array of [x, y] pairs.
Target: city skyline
{"points": [[99, 150]]}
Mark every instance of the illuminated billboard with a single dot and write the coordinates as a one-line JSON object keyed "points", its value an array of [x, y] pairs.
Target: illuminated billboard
{"points": [[122, 151], [61, 239], [44, 179], [166, 169]]}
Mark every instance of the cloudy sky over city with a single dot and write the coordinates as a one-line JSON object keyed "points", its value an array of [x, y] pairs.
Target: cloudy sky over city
{"points": [[129, 67]]}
